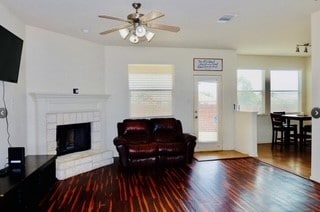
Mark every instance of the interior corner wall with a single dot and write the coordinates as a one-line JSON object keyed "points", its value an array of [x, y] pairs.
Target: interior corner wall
{"points": [[15, 94], [315, 66], [116, 63], [57, 63]]}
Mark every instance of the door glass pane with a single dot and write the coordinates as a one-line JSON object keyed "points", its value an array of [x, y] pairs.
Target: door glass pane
{"points": [[207, 111]]}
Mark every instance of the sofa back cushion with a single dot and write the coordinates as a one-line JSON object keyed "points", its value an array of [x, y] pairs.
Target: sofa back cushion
{"points": [[135, 130], [166, 130]]}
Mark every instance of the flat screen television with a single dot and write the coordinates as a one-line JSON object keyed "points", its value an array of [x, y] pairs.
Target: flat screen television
{"points": [[10, 55]]}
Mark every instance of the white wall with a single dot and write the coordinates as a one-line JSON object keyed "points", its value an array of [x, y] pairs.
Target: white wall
{"points": [[57, 63], [268, 63], [308, 87], [118, 58], [14, 94], [315, 40]]}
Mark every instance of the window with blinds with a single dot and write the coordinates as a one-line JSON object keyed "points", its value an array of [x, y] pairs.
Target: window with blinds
{"points": [[250, 90], [285, 90], [151, 90]]}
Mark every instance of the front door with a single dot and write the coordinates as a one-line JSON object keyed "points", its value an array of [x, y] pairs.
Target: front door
{"points": [[207, 112]]}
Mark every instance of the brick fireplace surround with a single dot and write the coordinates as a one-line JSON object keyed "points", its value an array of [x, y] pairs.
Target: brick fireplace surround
{"points": [[55, 109]]}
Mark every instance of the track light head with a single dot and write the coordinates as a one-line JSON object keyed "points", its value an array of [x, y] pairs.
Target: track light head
{"points": [[306, 46]]}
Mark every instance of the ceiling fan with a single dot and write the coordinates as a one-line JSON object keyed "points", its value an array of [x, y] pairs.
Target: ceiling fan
{"points": [[138, 24]]}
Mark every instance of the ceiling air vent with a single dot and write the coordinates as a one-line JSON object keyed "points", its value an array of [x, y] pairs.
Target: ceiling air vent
{"points": [[226, 18]]}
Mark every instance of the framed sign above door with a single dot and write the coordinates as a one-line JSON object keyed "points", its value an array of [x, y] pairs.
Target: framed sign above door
{"points": [[207, 64]]}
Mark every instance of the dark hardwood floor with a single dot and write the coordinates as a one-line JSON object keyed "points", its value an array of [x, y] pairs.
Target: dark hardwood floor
{"points": [[245, 184]]}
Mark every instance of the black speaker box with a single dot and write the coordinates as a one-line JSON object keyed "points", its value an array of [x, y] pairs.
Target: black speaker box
{"points": [[16, 157]]}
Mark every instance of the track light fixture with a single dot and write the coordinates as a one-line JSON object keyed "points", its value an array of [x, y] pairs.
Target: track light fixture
{"points": [[306, 46]]}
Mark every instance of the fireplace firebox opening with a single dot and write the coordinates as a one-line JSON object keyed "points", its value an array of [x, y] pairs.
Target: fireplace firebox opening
{"points": [[73, 138]]}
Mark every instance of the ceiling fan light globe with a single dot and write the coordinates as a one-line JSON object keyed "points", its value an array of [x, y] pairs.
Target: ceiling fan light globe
{"points": [[149, 35], [124, 33], [134, 39], [140, 31]]}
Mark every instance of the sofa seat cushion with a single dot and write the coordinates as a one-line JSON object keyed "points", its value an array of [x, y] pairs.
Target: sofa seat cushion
{"points": [[172, 160], [171, 149], [142, 162], [142, 150]]}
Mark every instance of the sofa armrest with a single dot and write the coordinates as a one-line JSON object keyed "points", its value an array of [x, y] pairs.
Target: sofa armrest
{"points": [[123, 155], [190, 141], [119, 140], [189, 138]]}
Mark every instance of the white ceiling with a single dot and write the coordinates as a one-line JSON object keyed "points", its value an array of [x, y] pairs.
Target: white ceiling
{"points": [[270, 27]]}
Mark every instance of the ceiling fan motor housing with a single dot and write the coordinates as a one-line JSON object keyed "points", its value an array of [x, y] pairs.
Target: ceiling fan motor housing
{"points": [[135, 17], [136, 5]]}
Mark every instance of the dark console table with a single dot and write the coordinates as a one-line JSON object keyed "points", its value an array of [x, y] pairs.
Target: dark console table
{"points": [[25, 191]]}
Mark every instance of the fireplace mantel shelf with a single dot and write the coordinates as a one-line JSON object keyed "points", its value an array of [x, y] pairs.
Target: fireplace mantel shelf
{"points": [[54, 96]]}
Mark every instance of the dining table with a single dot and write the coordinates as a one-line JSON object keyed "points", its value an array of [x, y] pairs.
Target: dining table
{"points": [[301, 118]]}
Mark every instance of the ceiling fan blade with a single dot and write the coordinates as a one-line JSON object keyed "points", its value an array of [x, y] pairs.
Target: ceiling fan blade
{"points": [[114, 29], [114, 18], [164, 27], [151, 16]]}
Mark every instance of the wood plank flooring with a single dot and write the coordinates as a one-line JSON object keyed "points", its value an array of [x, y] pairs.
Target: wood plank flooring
{"points": [[289, 158], [218, 155], [224, 185]]}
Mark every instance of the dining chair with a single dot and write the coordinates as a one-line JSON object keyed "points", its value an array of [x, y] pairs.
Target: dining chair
{"points": [[283, 113], [279, 126], [307, 131]]}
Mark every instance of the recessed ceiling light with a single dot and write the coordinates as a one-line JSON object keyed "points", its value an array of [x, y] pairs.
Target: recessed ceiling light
{"points": [[226, 18]]}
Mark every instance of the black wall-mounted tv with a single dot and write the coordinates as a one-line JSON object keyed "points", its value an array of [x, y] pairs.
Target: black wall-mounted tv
{"points": [[10, 55]]}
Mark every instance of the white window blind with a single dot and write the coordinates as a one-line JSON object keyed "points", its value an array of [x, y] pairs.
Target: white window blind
{"points": [[285, 90], [151, 90], [251, 92]]}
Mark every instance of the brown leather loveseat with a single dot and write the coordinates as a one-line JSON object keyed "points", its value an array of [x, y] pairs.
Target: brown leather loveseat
{"points": [[156, 141]]}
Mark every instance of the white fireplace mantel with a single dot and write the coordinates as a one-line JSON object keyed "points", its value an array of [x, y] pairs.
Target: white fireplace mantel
{"points": [[51, 102], [54, 96], [68, 98]]}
